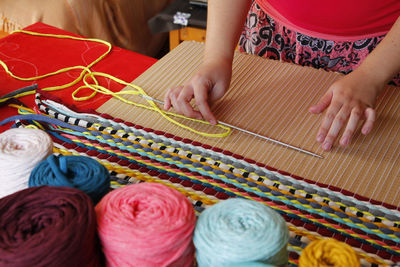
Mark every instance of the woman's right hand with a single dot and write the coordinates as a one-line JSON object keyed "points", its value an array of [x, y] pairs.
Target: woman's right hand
{"points": [[225, 20], [208, 84]]}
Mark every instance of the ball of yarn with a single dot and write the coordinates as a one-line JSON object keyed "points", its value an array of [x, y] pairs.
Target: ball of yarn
{"points": [[21, 150], [146, 225], [48, 226], [236, 231], [328, 252], [79, 172]]}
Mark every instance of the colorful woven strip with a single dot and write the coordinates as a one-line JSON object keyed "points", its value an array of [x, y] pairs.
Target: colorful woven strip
{"points": [[249, 188], [323, 195]]}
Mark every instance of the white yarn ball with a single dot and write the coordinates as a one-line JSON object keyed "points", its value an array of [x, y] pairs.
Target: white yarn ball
{"points": [[21, 149]]}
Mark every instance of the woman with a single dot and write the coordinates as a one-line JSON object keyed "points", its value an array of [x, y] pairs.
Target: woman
{"points": [[306, 33]]}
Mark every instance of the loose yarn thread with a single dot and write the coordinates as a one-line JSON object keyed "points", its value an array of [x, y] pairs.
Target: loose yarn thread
{"points": [[20, 151], [328, 252], [89, 79], [79, 172], [48, 226], [146, 225], [236, 231]]}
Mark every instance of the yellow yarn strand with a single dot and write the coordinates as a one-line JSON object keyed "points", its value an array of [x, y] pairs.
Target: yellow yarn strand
{"points": [[22, 108], [86, 73], [84, 69], [140, 92]]}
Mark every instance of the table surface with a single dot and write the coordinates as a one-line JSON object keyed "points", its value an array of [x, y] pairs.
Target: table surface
{"points": [[29, 56]]}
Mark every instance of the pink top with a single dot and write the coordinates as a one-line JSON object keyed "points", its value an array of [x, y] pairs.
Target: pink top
{"points": [[339, 20]]}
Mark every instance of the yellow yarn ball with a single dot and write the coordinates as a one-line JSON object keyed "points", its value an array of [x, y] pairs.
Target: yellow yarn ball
{"points": [[328, 253]]}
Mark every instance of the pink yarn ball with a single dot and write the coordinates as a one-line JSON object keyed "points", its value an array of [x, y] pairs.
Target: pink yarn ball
{"points": [[146, 225]]}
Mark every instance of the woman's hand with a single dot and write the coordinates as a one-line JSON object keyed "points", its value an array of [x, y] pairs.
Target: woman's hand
{"points": [[347, 102], [353, 97], [207, 85], [225, 20]]}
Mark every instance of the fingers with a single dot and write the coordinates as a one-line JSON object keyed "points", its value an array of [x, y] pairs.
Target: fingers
{"points": [[167, 100], [202, 98], [179, 98], [183, 102], [327, 121], [370, 116], [336, 119], [331, 124], [323, 103], [351, 127]]}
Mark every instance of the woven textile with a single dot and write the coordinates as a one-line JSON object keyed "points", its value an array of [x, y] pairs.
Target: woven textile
{"points": [[207, 175]]}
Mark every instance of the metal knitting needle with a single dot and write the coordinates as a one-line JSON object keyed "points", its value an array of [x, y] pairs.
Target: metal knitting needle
{"points": [[251, 133], [272, 140]]}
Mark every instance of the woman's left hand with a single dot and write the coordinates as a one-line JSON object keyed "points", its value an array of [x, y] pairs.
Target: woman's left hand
{"points": [[347, 102]]}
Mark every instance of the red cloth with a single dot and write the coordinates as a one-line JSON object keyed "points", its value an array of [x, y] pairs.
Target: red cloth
{"points": [[28, 56], [338, 20]]}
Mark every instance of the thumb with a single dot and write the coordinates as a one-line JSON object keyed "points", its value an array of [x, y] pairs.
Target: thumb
{"points": [[323, 103]]}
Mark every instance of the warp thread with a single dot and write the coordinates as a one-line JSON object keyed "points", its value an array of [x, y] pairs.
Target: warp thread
{"points": [[48, 226], [145, 225], [20, 151], [328, 252], [80, 172], [237, 231]]}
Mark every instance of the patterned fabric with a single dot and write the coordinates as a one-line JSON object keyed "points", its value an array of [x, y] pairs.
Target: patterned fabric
{"points": [[265, 37], [207, 175]]}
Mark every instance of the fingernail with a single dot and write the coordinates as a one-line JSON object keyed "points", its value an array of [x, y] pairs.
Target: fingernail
{"points": [[366, 130], [320, 138], [344, 141], [326, 146]]}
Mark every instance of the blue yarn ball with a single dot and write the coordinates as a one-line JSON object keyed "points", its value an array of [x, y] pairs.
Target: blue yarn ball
{"points": [[80, 172], [240, 231]]}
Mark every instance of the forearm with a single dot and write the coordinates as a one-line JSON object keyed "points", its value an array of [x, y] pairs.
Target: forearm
{"points": [[384, 61], [225, 21]]}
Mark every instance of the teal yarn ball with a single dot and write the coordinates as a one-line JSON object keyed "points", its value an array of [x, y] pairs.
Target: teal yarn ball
{"points": [[240, 231], [79, 172]]}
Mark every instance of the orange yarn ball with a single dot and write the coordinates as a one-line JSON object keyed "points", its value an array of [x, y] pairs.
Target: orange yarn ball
{"points": [[328, 253]]}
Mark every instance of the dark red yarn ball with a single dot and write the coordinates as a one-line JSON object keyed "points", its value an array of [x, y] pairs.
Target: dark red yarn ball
{"points": [[48, 226]]}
